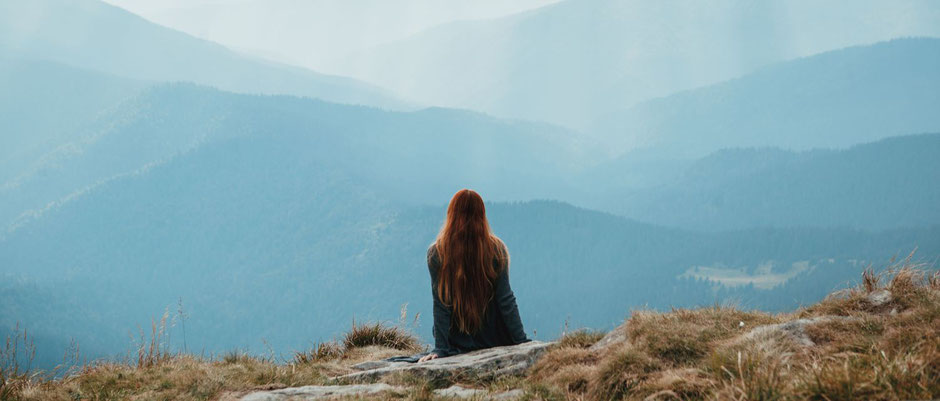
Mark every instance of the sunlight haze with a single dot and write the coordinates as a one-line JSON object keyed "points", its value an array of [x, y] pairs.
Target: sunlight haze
{"points": [[314, 33]]}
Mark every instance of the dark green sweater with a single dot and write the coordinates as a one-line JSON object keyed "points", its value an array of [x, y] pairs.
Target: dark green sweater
{"points": [[501, 322]]}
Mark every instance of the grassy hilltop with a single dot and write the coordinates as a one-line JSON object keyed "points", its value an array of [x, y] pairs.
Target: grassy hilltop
{"points": [[877, 340]]}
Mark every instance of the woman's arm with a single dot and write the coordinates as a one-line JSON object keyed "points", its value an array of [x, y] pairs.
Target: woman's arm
{"points": [[506, 300], [442, 313]]}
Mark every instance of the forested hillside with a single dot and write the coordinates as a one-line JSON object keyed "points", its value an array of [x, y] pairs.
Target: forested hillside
{"points": [[247, 248], [886, 184], [439, 149]]}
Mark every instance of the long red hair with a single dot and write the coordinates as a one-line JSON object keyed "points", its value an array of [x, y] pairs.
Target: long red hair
{"points": [[471, 259]]}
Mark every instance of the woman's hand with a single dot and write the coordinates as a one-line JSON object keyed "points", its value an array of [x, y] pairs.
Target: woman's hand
{"points": [[427, 357]]}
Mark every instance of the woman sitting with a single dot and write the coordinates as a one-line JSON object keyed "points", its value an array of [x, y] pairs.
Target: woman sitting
{"points": [[474, 307]]}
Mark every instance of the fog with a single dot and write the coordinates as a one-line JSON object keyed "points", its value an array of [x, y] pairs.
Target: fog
{"points": [[280, 167], [314, 33]]}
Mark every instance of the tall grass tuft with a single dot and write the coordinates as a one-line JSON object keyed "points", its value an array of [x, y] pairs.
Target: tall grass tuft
{"points": [[582, 338], [156, 349], [320, 352], [16, 358], [364, 335]]}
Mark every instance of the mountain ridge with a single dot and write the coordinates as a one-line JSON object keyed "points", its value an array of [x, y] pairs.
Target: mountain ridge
{"points": [[834, 99], [863, 186], [96, 35], [535, 65]]}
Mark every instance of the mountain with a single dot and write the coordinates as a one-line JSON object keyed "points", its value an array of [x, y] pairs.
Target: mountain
{"points": [[261, 210], [278, 219], [831, 100], [573, 61], [312, 32], [42, 103], [885, 184], [94, 35], [416, 157], [252, 232]]}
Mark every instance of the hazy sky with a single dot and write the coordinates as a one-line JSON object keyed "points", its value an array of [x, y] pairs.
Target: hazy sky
{"points": [[314, 32]]}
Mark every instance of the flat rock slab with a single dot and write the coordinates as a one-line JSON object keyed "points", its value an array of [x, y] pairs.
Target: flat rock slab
{"points": [[487, 363], [308, 393], [456, 391], [794, 330]]}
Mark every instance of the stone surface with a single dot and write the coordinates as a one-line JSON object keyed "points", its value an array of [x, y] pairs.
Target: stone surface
{"points": [[879, 297], [488, 363], [875, 298], [306, 393], [615, 336], [457, 391], [794, 330], [508, 395]]}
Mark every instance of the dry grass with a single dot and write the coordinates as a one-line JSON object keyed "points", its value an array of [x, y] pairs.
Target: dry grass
{"points": [[180, 377], [370, 334], [686, 336], [158, 374], [154, 350], [582, 338], [18, 349], [878, 352], [321, 352]]}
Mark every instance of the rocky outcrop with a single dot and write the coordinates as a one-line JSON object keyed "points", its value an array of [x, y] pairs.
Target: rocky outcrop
{"points": [[794, 330], [615, 336], [459, 392], [879, 297], [483, 364], [314, 393], [456, 391], [874, 299], [309, 393], [488, 363]]}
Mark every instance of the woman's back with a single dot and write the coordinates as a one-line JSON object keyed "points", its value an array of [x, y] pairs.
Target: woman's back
{"points": [[500, 325]]}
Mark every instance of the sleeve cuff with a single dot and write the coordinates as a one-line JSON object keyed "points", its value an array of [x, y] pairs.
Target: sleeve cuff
{"points": [[441, 353]]}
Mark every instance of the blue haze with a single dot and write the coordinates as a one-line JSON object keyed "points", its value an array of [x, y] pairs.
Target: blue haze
{"points": [[140, 166]]}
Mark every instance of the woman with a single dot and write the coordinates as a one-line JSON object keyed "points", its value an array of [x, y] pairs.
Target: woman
{"points": [[474, 307]]}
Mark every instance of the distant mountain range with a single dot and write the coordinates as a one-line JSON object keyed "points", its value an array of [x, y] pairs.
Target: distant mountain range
{"points": [[264, 243], [835, 99], [95, 35], [43, 104], [261, 210], [886, 184], [417, 157], [574, 61]]}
